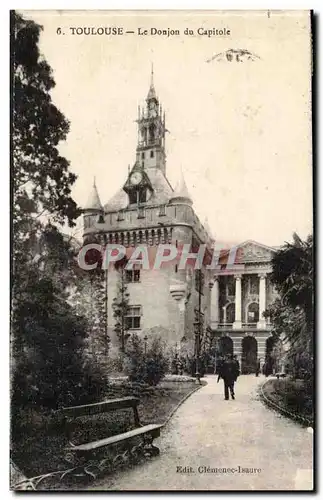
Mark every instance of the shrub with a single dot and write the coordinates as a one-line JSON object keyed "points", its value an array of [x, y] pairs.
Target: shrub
{"points": [[145, 367]]}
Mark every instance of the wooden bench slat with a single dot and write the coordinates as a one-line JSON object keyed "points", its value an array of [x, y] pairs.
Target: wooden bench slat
{"points": [[102, 407], [115, 439]]}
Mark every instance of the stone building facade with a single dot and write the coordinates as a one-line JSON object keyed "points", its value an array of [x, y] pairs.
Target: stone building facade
{"points": [[225, 306], [240, 295]]}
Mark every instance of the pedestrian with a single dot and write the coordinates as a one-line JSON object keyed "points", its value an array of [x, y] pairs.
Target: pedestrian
{"points": [[219, 366], [229, 373], [258, 368]]}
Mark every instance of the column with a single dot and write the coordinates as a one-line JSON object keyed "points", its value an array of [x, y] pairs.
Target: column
{"points": [[262, 300], [237, 319], [215, 303], [224, 314]]}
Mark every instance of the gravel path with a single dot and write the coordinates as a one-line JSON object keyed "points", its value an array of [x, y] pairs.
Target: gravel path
{"points": [[263, 450]]}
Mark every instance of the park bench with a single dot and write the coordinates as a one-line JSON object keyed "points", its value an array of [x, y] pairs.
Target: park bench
{"points": [[129, 445]]}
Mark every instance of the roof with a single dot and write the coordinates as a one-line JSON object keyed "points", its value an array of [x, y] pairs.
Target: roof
{"points": [[93, 202], [181, 191], [152, 92], [207, 228]]}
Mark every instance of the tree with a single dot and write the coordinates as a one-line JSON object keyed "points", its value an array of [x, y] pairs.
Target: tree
{"points": [[146, 360], [48, 335], [89, 298], [120, 305], [41, 177], [292, 312]]}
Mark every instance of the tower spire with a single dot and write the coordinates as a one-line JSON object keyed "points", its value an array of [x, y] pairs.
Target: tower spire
{"points": [[93, 203], [152, 92], [152, 75], [181, 193]]}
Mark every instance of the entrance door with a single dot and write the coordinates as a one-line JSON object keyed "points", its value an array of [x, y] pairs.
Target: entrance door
{"points": [[249, 355]]}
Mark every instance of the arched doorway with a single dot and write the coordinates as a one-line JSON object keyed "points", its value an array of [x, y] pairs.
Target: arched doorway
{"points": [[249, 355], [225, 346], [253, 313]]}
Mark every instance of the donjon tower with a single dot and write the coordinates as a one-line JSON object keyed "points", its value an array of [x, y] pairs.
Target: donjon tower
{"points": [[146, 210]]}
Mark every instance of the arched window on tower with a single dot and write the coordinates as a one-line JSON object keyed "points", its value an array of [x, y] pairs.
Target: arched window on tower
{"points": [[152, 132], [144, 135]]}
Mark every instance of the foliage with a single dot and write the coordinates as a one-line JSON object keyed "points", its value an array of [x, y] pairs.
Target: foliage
{"points": [[293, 396], [41, 179], [48, 335], [120, 306], [292, 312], [146, 365], [88, 297]]}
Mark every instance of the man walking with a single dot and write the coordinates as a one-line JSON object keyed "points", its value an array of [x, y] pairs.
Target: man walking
{"points": [[229, 372]]}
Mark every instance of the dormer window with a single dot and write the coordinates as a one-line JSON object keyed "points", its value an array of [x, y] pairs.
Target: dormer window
{"points": [[142, 196], [133, 197]]}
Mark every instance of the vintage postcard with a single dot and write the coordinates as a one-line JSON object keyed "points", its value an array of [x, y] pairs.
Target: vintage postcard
{"points": [[162, 251]]}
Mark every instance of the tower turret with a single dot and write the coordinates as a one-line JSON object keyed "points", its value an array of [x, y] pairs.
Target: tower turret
{"points": [[93, 210], [151, 132], [181, 194]]}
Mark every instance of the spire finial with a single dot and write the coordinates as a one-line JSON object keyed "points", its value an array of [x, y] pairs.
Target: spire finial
{"points": [[152, 74], [152, 92], [94, 181]]}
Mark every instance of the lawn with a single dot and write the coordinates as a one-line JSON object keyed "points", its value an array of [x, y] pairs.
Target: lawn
{"points": [[38, 446], [292, 396]]}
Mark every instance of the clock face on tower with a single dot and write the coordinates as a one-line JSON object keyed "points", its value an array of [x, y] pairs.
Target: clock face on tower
{"points": [[136, 178]]}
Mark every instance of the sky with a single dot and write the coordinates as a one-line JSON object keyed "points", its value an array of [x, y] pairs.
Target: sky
{"points": [[240, 131]]}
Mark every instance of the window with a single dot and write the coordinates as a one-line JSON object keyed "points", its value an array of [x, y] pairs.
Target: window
{"points": [[253, 313], [132, 276], [133, 317], [120, 215], [143, 156], [133, 197], [152, 129], [142, 196], [162, 210], [151, 154], [141, 213]]}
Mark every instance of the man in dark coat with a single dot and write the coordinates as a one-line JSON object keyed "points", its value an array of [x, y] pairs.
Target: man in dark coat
{"points": [[229, 372]]}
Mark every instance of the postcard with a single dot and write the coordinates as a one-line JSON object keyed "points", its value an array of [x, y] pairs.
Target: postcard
{"points": [[162, 318]]}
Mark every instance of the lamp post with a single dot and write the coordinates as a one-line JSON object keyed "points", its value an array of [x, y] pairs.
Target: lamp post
{"points": [[198, 332]]}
